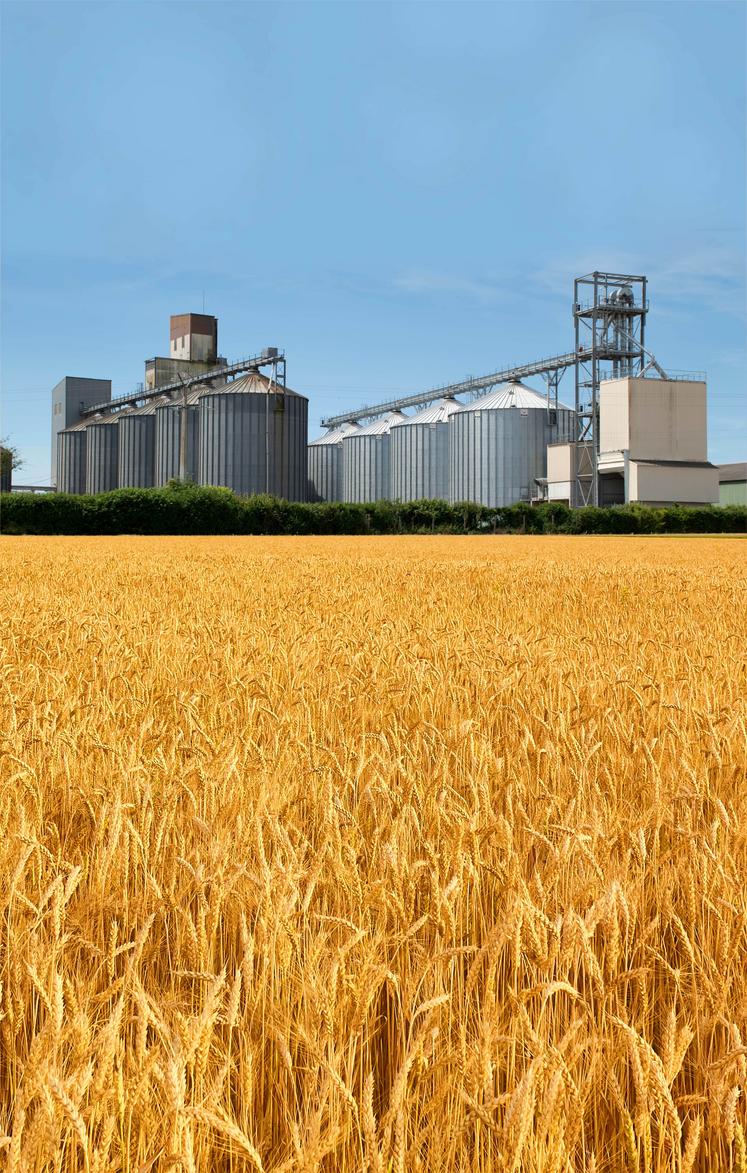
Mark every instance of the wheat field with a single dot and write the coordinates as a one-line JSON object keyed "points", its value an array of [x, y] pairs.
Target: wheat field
{"points": [[378, 854]]}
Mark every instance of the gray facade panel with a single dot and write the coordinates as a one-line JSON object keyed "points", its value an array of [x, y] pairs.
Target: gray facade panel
{"points": [[325, 472], [419, 456], [255, 443], [136, 451], [102, 457], [71, 462], [497, 454], [70, 394], [168, 439], [366, 467]]}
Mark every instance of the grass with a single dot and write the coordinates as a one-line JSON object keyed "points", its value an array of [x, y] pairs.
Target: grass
{"points": [[373, 854]]}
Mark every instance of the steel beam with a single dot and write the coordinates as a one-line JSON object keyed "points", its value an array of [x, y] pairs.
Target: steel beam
{"points": [[236, 368]]}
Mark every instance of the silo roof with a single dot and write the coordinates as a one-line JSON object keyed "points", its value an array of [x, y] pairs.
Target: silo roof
{"points": [[150, 407], [336, 434], [250, 384], [510, 395], [109, 417], [437, 413], [381, 426]]}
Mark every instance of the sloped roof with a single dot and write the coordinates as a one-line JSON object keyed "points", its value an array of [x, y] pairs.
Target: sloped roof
{"points": [[381, 426], [437, 413], [252, 383], [336, 435], [510, 395], [732, 472]]}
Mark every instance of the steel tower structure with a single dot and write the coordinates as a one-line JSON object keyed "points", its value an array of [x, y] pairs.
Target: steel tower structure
{"points": [[609, 314]]}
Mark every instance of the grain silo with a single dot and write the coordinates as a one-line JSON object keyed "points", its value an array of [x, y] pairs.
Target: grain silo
{"points": [[419, 454], [102, 453], [498, 445], [253, 438], [71, 458], [137, 435], [365, 460], [325, 464], [169, 414]]}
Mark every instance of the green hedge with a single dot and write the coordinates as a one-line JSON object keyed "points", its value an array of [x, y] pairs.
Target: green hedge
{"points": [[189, 509]]}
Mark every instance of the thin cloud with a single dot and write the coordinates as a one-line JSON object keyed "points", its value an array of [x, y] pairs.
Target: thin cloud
{"points": [[713, 275], [451, 285]]}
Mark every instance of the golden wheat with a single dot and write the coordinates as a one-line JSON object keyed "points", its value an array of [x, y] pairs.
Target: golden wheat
{"points": [[373, 854]]}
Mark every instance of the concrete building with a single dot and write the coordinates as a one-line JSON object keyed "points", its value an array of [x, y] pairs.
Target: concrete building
{"points": [[193, 349], [194, 337], [653, 445], [732, 484], [68, 398]]}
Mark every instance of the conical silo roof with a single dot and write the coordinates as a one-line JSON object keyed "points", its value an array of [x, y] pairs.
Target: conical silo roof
{"points": [[253, 383], [381, 426], [437, 413], [80, 426], [149, 407], [509, 395], [336, 434]]}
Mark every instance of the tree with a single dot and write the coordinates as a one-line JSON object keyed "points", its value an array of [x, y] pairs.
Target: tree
{"points": [[9, 460]]}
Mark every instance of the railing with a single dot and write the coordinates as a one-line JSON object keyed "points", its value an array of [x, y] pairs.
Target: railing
{"points": [[234, 368]]}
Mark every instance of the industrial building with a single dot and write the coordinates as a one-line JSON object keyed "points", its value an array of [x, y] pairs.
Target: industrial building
{"points": [[634, 431], [195, 417], [630, 430], [732, 483]]}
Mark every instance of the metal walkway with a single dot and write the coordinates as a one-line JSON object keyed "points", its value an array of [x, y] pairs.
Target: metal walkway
{"points": [[472, 386], [234, 368], [475, 387]]}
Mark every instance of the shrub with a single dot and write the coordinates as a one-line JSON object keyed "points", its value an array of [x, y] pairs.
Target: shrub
{"points": [[197, 509]]}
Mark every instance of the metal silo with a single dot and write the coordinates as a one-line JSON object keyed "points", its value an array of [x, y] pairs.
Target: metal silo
{"points": [[102, 453], [325, 457], [365, 456], [498, 445], [419, 454], [253, 438], [168, 437], [71, 459], [137, 436]]}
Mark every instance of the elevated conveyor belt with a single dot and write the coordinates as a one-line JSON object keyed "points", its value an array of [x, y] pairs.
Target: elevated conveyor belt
{"points": [[142, 395], [473, 387]]}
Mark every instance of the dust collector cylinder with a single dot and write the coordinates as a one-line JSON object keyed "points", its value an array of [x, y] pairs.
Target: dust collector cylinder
{"points": [[137, 434], [168, 432], [365, 456], [325, 457], [102, 455], [498, 445], [253, 438], [71, 460], [419, 454]]}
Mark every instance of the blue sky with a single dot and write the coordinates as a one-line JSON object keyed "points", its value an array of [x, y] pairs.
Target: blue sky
{"points": [[397, 194]]}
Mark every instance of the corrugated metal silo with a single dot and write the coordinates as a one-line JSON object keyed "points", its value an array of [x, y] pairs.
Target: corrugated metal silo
{"points": [[419, 454], [366, 460], [498, 445], [253, 438], [137, 436], [168, 437], [71, 458], [325, 457], [102, 453]]}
